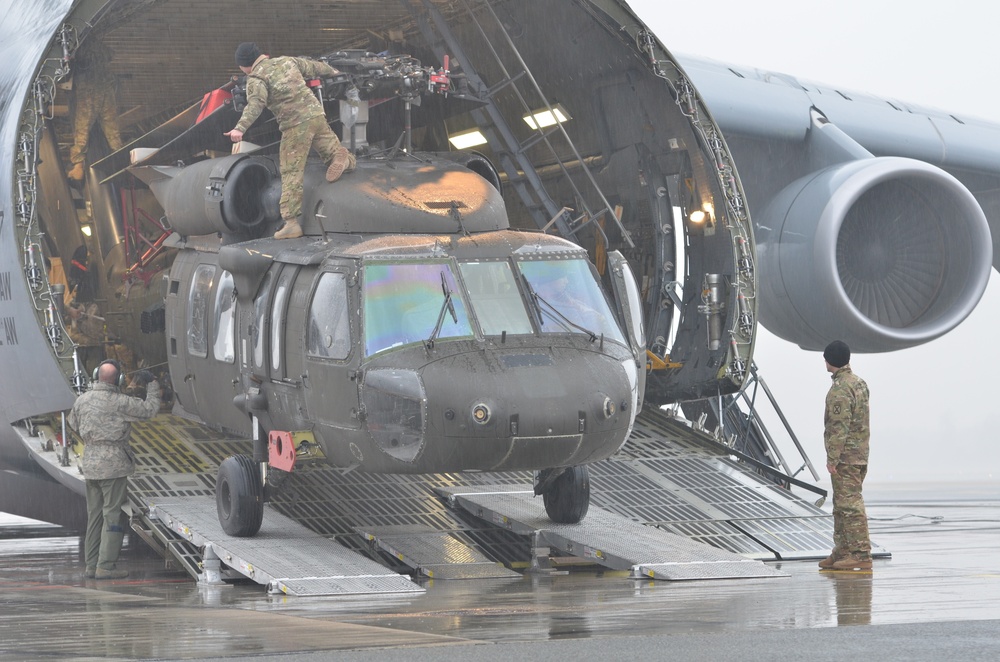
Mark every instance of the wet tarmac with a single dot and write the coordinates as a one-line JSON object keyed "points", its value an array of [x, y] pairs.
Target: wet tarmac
{"points": [[938, 595]]}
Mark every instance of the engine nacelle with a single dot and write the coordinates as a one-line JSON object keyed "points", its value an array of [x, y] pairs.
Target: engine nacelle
{"points": [[233, 195], [883, 253]]}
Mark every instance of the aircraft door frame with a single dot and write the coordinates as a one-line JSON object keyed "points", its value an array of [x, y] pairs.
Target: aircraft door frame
{"points": [[253, 346], [278, 335], [177, 302], [332, 361], [628, 298]]}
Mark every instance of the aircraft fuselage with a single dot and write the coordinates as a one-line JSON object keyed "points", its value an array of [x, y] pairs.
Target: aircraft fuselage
{"points": [[405, 353]]}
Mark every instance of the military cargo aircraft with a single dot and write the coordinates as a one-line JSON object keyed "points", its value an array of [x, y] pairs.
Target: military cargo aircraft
{"points": [[450, 308]]}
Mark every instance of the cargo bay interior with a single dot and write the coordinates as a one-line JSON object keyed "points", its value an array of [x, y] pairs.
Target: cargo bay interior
{"points": [[630, 160]]}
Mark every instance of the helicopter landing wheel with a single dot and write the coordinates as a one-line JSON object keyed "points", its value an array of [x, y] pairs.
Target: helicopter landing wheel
{"points": [[239, 496], [567, 498]]}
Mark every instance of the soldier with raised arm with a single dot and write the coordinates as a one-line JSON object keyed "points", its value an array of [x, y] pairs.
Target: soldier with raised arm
{"points": [[103, 417], [279, 84]]}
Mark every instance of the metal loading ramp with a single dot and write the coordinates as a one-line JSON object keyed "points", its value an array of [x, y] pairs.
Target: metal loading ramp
{"points": [[608, 539], [436, 555], [669, 475], [285, 555]]}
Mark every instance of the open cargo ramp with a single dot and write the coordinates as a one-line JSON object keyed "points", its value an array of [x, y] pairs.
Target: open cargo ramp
{"points": [[606, 538]]}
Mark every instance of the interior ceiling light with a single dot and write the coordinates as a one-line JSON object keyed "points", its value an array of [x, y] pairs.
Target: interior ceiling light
{"points": [[467, 139], [543, 118]]}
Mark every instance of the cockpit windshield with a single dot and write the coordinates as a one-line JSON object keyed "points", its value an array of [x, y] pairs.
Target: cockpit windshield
{"points": [[567, 298], [403, 304], [412, 302], [496, 298]]}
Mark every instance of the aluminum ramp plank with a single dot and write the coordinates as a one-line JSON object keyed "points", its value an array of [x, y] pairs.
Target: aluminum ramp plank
{"points": [[284, 555], [436, 555], [609, 539]]}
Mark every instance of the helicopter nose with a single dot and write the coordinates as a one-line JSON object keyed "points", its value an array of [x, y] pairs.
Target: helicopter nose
{"points": [[529, 410]]}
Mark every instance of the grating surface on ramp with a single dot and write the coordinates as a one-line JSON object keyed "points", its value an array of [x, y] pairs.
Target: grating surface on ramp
{"points": [[663, 477], [609, 539], [666, 477], [437, 555], [284, 555]]}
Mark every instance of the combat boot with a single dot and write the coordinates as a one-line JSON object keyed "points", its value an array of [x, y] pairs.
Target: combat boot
{"points": [[851, 563], [343, 161], [76, 173], [117, 573], [828, 562], [90, 572], [290, 230]]}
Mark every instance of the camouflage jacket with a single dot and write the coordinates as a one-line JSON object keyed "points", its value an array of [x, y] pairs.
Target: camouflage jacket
{"points": [[91, 67], [846, 430], [103, 417], [279, 84]]}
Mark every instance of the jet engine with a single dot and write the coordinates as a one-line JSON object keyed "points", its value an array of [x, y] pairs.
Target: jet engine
{"points": [[884, 253]]}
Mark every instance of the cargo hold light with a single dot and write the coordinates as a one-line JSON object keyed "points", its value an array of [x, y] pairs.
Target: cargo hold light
{"points": [[546, 117], [703, 215], [467, 139]]}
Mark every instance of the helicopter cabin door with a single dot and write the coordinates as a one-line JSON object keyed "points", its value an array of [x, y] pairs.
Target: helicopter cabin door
{"points": [[282, 335], [332, 355]]}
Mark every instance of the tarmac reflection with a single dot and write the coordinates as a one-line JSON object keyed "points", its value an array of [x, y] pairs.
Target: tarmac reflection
{"points": [[854, 597], [49, 611]]}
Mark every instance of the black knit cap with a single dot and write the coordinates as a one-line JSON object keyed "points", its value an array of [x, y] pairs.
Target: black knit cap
{"points": [[247, 53], [837, 354]]}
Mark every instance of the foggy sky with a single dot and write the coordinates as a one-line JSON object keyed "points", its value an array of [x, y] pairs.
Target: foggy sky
{"points": [[932, 406]]}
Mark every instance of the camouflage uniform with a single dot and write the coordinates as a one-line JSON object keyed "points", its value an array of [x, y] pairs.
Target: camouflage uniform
{"points": [[103, 418], [279, 84], [846, 436], [96, 100]]}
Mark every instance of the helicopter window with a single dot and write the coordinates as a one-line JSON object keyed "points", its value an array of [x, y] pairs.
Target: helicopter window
{"points": [[495, 297], [278, 316], [569, 299], [411, 302], [257, 334], [223, 345], [197, 308], [329, 331]]}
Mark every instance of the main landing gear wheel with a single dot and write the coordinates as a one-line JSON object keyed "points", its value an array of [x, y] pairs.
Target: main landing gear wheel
{"points": [[567, 496], [239, 496]]}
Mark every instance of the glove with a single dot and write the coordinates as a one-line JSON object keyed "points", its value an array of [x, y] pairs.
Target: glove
{"points": [[144, 377]]}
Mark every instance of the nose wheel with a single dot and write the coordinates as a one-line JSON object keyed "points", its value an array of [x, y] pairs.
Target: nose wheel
{"points": [[565, 492], [239, 496]]}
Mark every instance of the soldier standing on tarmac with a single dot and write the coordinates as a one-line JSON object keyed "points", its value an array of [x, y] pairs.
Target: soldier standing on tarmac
{"points": [[95, 100], [846, 435], [103, 417], [279, 84]]}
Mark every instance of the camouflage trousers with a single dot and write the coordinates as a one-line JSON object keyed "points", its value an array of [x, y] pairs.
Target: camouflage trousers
{"points": [[850, 521], [94, 105], [105, 522], [295, 144]]}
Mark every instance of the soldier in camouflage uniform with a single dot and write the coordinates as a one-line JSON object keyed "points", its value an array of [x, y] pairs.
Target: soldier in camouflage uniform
{"points": [[845, 436], [279, 84], [103, 418], [96, 101]]}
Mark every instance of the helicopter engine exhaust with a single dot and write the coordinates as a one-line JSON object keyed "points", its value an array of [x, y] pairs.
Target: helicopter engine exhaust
{"points": [[235, 195]]}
